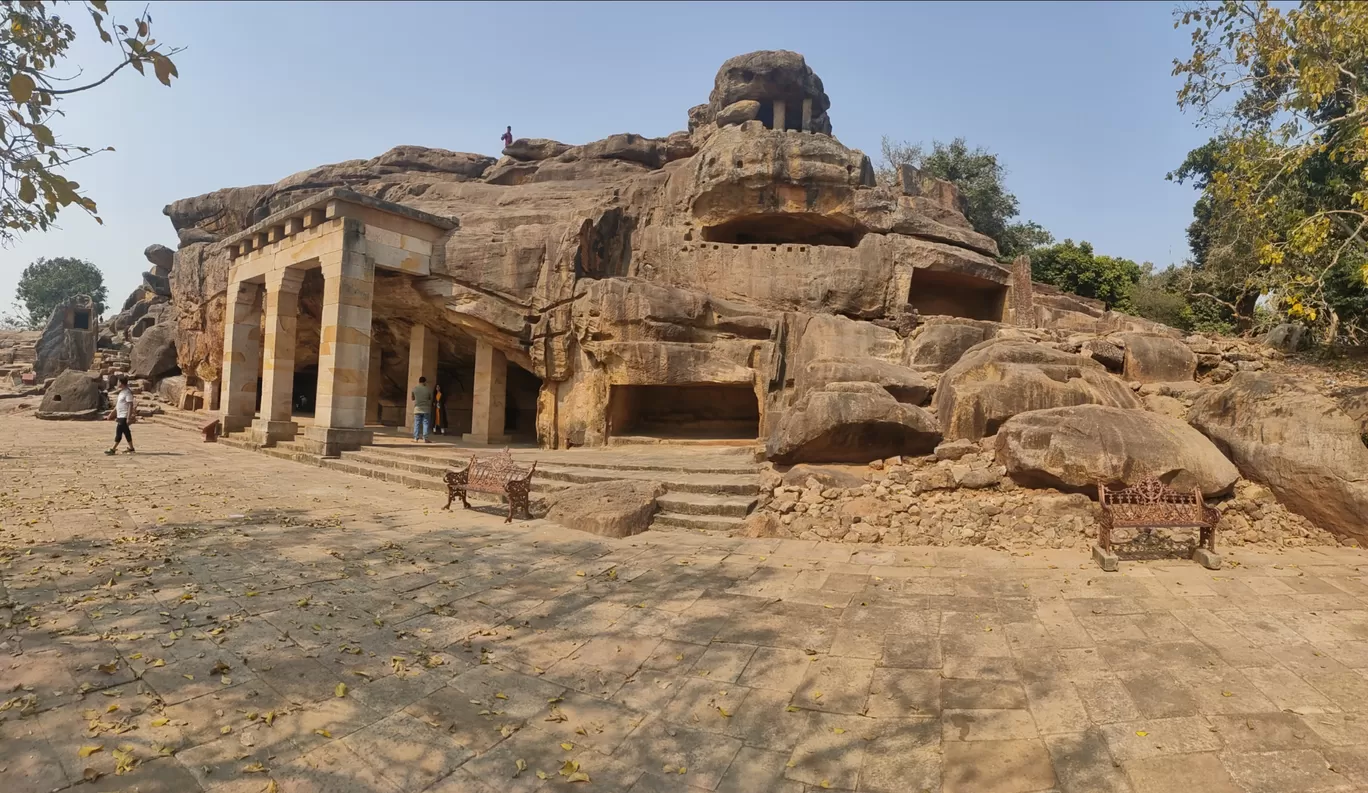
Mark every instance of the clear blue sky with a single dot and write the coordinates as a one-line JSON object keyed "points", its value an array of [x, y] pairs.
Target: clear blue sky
{"points": [[1076, 99]]}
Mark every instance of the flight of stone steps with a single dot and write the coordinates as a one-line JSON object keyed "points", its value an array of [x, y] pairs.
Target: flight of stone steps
{"points": [[710, 490]]}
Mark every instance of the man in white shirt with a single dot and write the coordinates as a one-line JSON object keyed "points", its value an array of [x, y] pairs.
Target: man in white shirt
{"points": [[123, 413]]}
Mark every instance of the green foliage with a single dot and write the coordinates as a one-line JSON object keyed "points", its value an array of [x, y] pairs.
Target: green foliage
{"points": [[34, 40], [1076, 268], [1283, 217], [980, 179], [47, 282]]}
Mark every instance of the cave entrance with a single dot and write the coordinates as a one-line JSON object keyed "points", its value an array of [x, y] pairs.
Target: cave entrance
{"points": [[705, 411], [81, 319], [937, 293], [787, 228]]}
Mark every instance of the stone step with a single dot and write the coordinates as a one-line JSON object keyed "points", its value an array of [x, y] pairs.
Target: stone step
{"points": [[434, 454], [747, 484], [350, 466], [678, 503], [430, 470], [738, 446], [717, 524]]}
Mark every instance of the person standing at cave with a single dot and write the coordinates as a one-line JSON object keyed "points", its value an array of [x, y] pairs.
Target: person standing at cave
{"points": [[507, 137], [422, 411], [439, 416], [124, 411]]}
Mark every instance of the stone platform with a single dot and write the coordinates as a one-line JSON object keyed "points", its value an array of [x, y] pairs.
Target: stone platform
{"points": [[227, 621]]}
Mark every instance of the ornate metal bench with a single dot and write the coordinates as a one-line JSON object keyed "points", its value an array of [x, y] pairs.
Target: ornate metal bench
{"points": [[1151, 504], [497, 474]]}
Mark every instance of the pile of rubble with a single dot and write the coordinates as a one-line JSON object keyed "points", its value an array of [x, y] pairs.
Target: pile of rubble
{"points": [[962, 496]]}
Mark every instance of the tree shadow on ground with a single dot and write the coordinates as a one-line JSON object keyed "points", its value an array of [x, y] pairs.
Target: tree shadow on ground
{"points": [[526, 610]]}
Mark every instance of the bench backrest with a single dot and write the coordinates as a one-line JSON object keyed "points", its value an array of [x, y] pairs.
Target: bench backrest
{"points": [[1152, 503], [497, 469]]}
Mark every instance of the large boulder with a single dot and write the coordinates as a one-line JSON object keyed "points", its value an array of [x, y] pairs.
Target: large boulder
{"points": [[738, 113], [154, 353], [64, 343], [608, 509], [1282, 432], [161, 257], [1002, 377], [1074, 448], [1286, 337], [72, 395], [937, 346], [902, 383], [535, 149], [1151, 358], [850, 422]]}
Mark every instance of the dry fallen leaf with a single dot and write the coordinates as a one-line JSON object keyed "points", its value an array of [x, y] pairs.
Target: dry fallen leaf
{"points": [[324, 733], [87, 751], [254, 768], [1141, 733], [341, 690], [567, 746], [521, 766], [160, 722]]}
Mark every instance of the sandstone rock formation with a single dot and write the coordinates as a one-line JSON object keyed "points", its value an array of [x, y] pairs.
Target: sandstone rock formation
{"points": [[851, 422], [1282, 433], [1003, 377], [73, 395], [1154, 358], [154, 353], [69, 338], [1075, 448]]}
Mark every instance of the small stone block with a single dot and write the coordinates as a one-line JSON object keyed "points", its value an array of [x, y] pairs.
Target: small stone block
{"points": [[1108, 561], [1208, 559]]}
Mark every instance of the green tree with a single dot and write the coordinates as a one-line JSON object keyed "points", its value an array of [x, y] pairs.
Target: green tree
{"points": [[980, 179], [47, 282], [1286, 188], [35, 79], [1074, 267]]}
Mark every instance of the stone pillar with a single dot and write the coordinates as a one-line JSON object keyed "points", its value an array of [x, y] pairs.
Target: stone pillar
{"points": [[422, 363], [807, 114], [373, 384], [241, 355], [344, 348], [778, 114], [277, 367], [491, 382], [211, 395]]}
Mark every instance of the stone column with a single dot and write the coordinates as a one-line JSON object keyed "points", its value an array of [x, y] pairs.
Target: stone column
{"points": [[491, 382], [422, 363], [807, 114], [373, 385], [241, 355], [779, 114], [344, 348], [277, 367]]}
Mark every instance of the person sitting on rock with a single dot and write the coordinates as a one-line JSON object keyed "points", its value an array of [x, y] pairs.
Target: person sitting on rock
{"points": [[507, 137]]}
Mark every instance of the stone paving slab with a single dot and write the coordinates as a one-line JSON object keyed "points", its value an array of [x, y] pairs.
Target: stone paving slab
{"points": [[195, 617]]}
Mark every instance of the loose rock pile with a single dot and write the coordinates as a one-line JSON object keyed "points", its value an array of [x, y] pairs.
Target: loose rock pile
{"points": [[962, 496]]}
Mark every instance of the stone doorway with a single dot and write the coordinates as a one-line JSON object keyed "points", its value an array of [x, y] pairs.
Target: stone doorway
{"points": [[703, 411]]}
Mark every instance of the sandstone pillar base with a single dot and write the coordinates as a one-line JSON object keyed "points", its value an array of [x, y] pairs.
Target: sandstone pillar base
{"points": [[233, 424], [332, 441], [269, 433]]}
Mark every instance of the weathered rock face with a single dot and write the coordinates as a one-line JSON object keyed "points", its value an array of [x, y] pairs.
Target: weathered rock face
{"points": [[1151, 358], [770, 76], [1003, 377], [935, 347], [154, 353], [69, 339], [851, 422], [1075, 448], [72, 395], [1281, 432], [901, 383], [608, 509]]}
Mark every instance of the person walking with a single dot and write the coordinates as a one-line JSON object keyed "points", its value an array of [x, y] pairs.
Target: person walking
{"points": [[422, 411], [123, 413], [439, 416]]}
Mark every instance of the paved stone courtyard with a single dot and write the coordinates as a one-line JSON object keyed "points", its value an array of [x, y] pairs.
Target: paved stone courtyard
{"points": [[199, 617]]}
